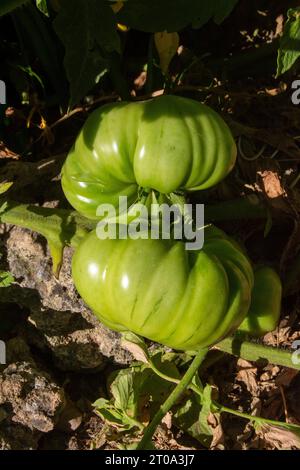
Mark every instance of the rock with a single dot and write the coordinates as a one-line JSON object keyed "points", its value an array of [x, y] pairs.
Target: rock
{"points": [[17, 437], [30, 403], [58, 318], [17, 350]]}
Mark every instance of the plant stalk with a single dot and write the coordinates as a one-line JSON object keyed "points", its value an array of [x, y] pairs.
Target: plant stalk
{"points": [[258, 352], [171, 400]]}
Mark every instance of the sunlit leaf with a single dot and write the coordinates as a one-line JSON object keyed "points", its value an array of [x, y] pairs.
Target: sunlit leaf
{"points": [[289, 47]]}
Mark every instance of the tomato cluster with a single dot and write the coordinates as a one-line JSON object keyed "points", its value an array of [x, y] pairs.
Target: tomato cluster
{"points": [[156, 288]]}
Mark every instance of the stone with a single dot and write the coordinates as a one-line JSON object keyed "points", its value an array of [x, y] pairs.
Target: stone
{"points": [[58, 320], [30, 404]]}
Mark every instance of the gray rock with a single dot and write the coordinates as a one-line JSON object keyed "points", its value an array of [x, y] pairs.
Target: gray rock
{"points": [[30, 403], [58, 321]]}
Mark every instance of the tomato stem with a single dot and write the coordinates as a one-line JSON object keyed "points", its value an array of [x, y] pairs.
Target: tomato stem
{"points": [[171, 400], [60, 227], [250, 351]]}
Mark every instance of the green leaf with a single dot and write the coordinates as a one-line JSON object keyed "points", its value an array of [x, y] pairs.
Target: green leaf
{"points": [[192, 416], [124, 390], [6, 279], [109, 413], [157, 15], [206, 13], [42, 6], [289, 46], [5, 186], [88, 30], [32, 74], [8, 6], [136, 392], [206, 431], [3, 207], [223, 8]]}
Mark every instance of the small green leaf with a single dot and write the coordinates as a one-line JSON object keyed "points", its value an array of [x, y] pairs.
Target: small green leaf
{"points": [[5, 186], [6, 279], [32, 74], [289, 46], [42, 6], [3, 207], [109, 413]]}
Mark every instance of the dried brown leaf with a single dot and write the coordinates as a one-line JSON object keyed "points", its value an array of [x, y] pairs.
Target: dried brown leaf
{"points": [[247, 375], [279, 438]]}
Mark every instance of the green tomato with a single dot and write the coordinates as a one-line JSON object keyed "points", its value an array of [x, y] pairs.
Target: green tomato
{"points": [[157, 289], [166, 144], [265, 306]]}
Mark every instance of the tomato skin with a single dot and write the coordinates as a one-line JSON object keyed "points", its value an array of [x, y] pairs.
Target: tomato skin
{"points": [[167, 143], [264, 312], [157, 289]]}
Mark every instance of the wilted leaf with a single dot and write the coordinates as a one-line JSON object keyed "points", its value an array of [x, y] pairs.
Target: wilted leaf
{"points": [[247, 374], [279, 437], [289, 46], [136, 346], [166, 45], [116, 6]]}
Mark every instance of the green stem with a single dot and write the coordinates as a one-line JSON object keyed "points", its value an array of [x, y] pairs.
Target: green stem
{"points": [[255, 419], [60, 227], [257, 352], [149, 80], [171, 400], [217, 407], [236, 209]]}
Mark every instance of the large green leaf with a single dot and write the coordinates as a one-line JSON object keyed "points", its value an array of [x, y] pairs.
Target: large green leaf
{"points": [[171, 16], [223, 8], [289, 46], [88, 29]]}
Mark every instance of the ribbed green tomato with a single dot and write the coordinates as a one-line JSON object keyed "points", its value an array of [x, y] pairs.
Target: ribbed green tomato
{"points": [[264, 312], [166, 144], [157, 289]]}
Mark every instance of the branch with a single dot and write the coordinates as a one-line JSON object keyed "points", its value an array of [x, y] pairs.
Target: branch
{"points": [[250, 351], [61, 227], [171, 400]]}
